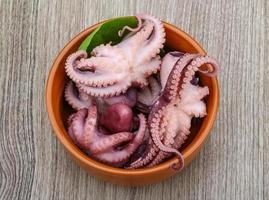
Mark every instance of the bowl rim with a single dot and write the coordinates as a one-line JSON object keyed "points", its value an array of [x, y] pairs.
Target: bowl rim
{"points": [[187, 152]]}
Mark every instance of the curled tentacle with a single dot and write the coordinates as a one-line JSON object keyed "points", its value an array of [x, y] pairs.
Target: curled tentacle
{"points": [[177, 77], [75, 98], [203, 60], [121, 32], [150, 152], [155, 42], [115, 156]]}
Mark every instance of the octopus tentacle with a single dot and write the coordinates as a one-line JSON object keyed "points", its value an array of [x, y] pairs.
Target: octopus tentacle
{"points": [[77, 101], [70, 128], [101, 64], [143, 161], [171, 136], [179, 140], [111, 141], [149, 154], [121, 32], [153, 45], [154, 126], [175, 77], [132, 44], [78, 129], [168, 62], [83, 96], [155, 133], [87, 77], [140, 82], [109, 91], [115, 156], [151, 67], [203, 60]]}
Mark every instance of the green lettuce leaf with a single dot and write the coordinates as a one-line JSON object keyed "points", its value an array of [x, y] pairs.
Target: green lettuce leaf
{"points": [[108, 32]]}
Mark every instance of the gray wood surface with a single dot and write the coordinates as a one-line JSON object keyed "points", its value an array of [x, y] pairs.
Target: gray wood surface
{"points": [[234, 163]]}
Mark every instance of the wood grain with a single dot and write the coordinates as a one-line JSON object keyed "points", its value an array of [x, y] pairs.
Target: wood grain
{"points": [[234, 164]]}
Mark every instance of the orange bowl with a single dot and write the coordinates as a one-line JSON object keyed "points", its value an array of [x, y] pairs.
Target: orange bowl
{"points": [[58, 111]]}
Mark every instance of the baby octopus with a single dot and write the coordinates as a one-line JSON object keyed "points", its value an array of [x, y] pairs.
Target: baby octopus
{"points": [[111, 70]]}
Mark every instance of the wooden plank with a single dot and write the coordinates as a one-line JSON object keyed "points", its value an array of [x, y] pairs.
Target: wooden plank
{"points": [[234, 163]]}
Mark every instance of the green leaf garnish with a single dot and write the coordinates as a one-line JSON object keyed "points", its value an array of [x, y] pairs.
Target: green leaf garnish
{"points": [[107, 32]]}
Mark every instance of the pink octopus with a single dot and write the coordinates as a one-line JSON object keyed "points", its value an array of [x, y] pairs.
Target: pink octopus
{"points": [[170, 118], [101, 144], [111, 70]]}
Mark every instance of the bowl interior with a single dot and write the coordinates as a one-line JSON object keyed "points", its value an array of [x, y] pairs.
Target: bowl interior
{"points": [[59, 110]]}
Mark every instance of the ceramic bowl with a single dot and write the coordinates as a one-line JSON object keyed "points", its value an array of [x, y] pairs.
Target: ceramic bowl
{"points": [[58, 110]]}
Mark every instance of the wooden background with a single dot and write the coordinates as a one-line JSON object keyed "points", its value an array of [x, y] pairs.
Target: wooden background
{"points": [[234, 164]]}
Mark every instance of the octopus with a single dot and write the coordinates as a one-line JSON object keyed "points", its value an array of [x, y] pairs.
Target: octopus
{"points": [[98, 142], [170, 117], [132, 108], [111, 70]]}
